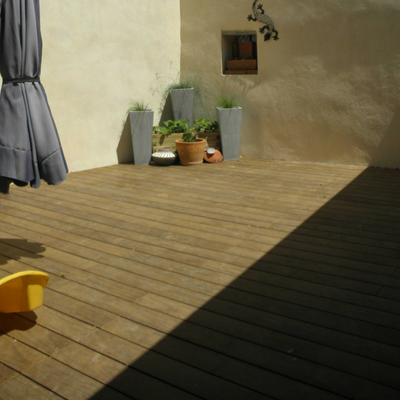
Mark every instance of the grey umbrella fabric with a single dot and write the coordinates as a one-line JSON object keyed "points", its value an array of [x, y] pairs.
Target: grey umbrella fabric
{"points": [[30, 148]]}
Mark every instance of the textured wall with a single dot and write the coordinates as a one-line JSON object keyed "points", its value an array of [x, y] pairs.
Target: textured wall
{"points": [[327, 91], [100, 55]]}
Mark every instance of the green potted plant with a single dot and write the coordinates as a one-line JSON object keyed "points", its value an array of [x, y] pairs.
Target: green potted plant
{"points": [[141, 123], [208, 130], [190, 148], [179, 131], [230, 120]]}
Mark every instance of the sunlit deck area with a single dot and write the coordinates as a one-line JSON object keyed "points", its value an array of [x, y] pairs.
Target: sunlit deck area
{"points": [[242, 280]]}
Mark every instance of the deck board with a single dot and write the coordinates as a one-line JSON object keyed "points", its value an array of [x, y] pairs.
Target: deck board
{"points": [[250, 279]]}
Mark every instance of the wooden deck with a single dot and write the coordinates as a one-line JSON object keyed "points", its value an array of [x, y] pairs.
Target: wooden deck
{"points": [[243, 280]]}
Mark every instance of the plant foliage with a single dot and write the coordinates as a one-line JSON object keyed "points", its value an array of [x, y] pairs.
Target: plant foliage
{"points": [[205, 125], [189, 133], [227, 101], [138, 106], [182, 84], [189, 137], [177, 126]]}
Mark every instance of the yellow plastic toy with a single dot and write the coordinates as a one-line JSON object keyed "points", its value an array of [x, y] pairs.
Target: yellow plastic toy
{"points": [[22, 291]]}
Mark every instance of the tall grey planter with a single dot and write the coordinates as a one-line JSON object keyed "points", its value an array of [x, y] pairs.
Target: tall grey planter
{"points": [[182, 104], [142, 135], [230, 123]]}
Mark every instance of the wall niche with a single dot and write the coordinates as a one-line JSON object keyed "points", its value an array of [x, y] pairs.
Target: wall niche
{"points": [[239, 53]]}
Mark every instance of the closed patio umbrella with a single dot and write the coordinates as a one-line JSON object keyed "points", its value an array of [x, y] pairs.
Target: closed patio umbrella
{"points": [[30, 148]]}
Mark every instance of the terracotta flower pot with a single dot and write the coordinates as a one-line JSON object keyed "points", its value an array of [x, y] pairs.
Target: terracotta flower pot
{"points": [[191, 153], [213, 156]]}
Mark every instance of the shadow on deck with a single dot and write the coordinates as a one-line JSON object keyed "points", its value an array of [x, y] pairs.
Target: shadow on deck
{"points": [[316, 318]]}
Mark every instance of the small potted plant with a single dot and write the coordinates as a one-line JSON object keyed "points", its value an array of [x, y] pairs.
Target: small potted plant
{"points": [[190, 148], [230, 120], [141, 122]]}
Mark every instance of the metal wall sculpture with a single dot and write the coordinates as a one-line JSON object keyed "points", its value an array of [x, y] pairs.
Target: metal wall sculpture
{"points": [[260, 16]]}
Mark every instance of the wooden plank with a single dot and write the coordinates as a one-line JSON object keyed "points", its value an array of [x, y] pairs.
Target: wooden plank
{"points": [[128, 199], [245, 312], [71, 384], [276, 295], [251, 315], [27, 331], [102, 369], [214, 241], [265, 202], [245, 309], [167, 369], [344, 272], [103, 339], [326, 336], [6, 374], [17, 356], [83, 359], [82, 311], [345, 219], [208, 336], [115, 374], [225, 196], [175, 348], [321, 271], [390, 293], [283, 252], [23, 388], [165, 212], [244, 350], [302, 185], [224, 322], [130, 381]]}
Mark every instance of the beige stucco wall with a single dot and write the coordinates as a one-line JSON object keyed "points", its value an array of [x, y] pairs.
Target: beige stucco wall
{"points": [[327, 91], [100, 55]]}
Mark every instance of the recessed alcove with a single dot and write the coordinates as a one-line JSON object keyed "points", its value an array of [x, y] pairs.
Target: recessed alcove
{"points": [[239, 53]]}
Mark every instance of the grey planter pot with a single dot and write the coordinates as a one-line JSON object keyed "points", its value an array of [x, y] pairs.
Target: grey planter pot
{"points": [[230, 124], [142, 135], [182, 104]]}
